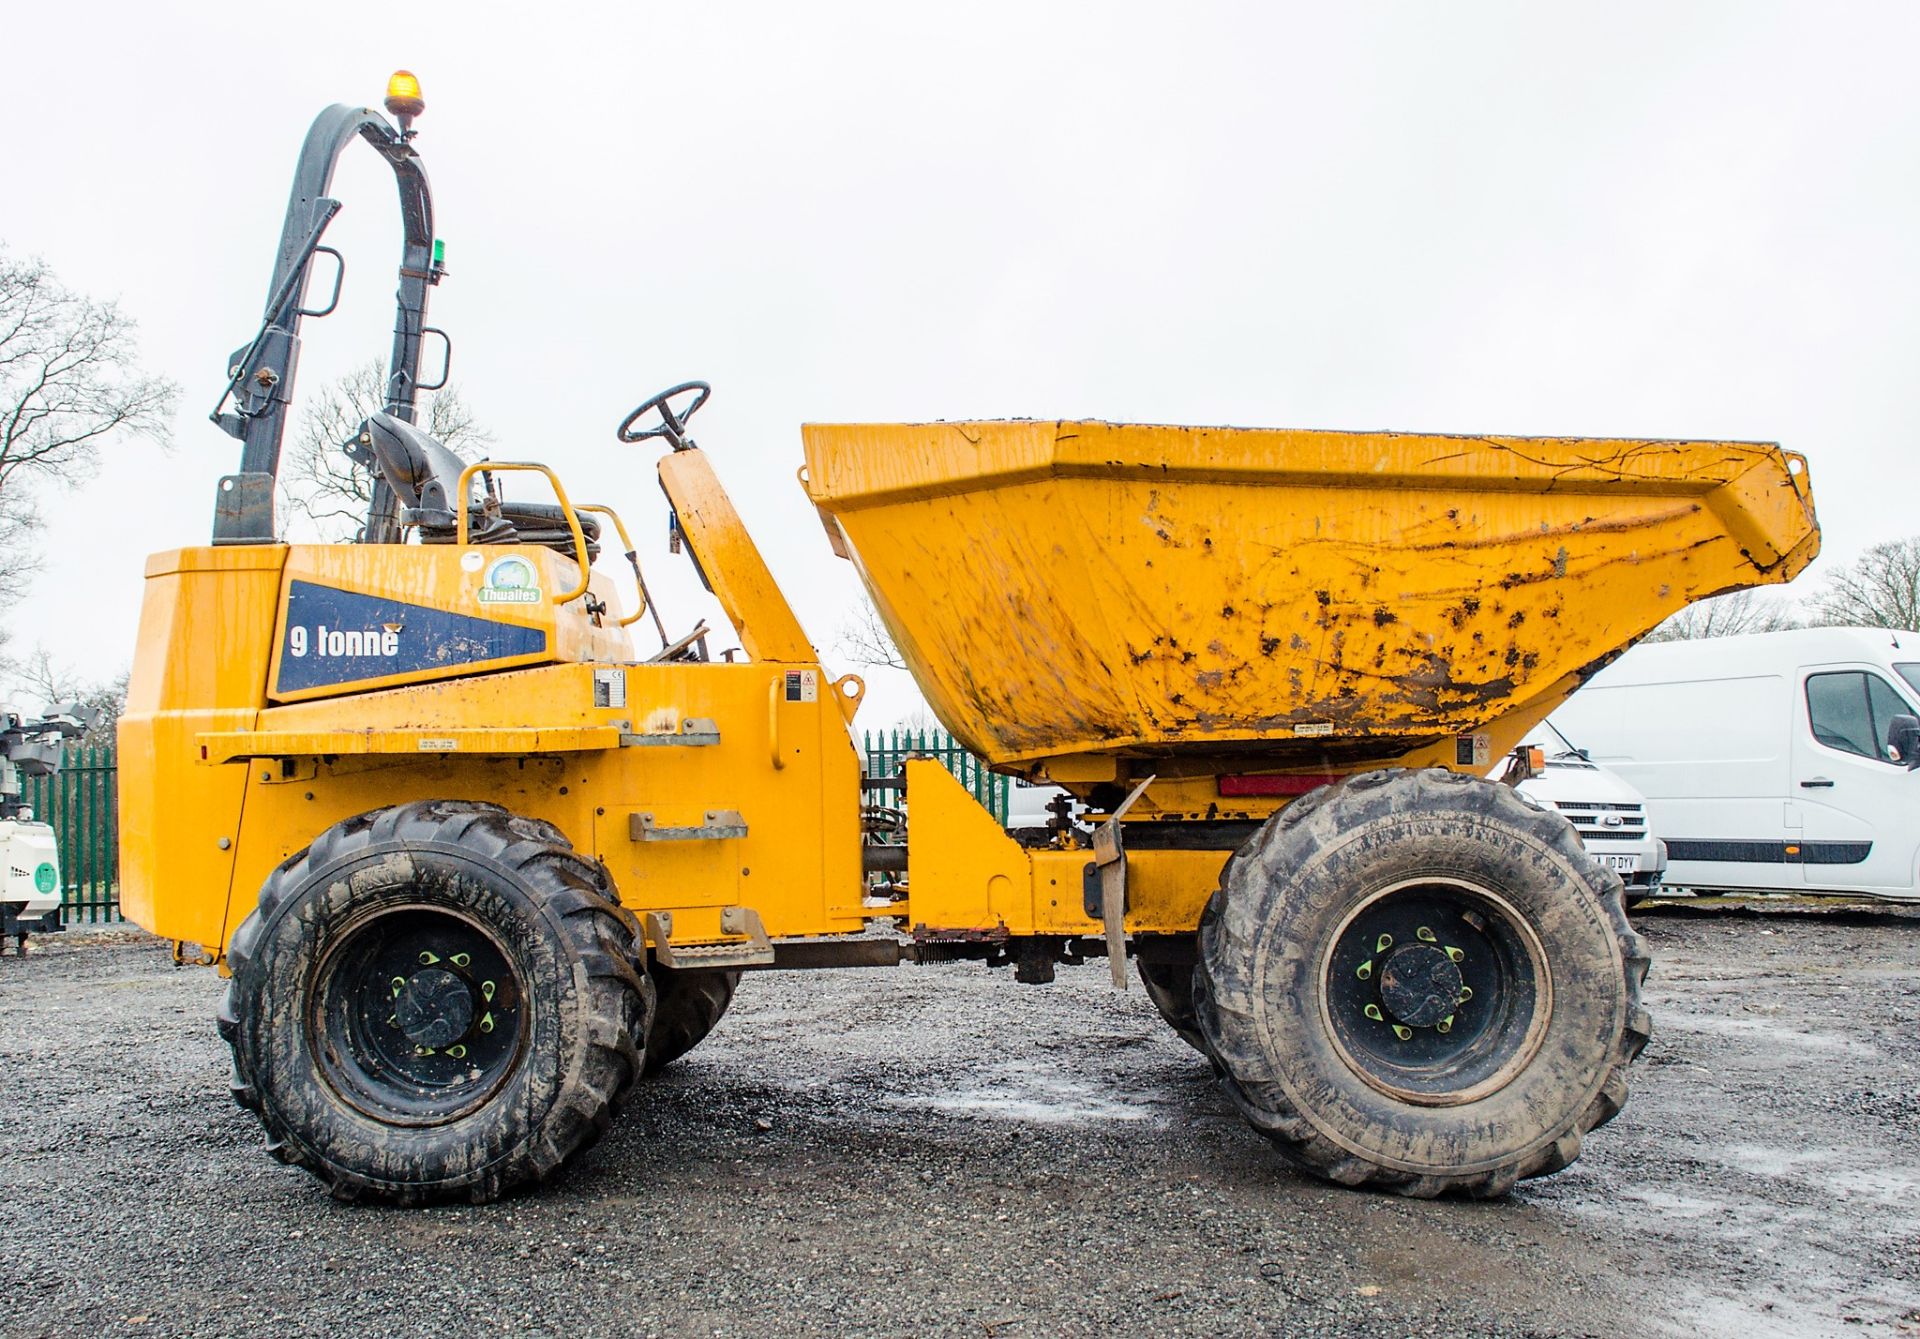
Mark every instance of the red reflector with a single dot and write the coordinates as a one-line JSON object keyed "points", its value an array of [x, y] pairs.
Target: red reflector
{"points": [[1273, 785]]}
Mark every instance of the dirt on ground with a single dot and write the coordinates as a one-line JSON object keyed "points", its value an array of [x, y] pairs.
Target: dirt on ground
{"points": [[942, 1151]]}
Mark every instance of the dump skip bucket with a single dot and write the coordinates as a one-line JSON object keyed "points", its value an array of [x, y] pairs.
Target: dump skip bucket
{"points": [[1062, 588]]}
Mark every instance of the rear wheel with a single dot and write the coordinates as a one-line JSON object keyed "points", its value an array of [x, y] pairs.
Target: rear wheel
{"points": [[435, 1001], [1415, 980], [688, 1006]]}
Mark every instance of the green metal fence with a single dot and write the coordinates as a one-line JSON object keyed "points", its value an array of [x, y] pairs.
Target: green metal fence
{"points": [[885, 751], [81, 803]]}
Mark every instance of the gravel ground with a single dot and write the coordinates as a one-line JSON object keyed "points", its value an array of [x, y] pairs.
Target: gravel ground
{"points": [[938, 1150]]}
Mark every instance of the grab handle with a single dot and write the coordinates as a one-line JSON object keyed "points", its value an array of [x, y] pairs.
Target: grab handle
{"points": [[566, 508], [633, 559], [773, 721]]}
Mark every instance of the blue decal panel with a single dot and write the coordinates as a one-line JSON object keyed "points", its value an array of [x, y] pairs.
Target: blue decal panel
{"points": [[337, 637]]}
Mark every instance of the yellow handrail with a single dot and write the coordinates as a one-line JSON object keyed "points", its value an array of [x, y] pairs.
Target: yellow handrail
{"points": [[566, 507], [626, 542]]}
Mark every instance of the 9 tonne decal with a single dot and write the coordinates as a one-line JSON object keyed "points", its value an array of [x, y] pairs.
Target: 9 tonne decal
{"points": [[335, 637]]}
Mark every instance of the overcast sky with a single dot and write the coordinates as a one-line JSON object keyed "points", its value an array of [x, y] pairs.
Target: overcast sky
{"points": [[1659, 219]]}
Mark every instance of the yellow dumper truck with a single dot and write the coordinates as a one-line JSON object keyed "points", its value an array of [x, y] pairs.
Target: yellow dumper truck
{"points": [[478, 858]]}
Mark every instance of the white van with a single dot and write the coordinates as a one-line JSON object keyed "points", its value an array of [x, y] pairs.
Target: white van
{"points": [[1769, 761], [1608, 813]]}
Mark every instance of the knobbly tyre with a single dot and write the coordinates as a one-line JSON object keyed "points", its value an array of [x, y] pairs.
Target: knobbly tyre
{"points": [[477, 861]]}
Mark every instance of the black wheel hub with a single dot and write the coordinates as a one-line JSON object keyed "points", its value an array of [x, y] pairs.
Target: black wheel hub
{"points": [[418, 1015], [434, 1009], [1433, 991], [1419, 985]]}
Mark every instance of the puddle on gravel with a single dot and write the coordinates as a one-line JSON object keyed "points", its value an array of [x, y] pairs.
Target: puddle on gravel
{"points": [[1826, 1169], [1665, 1204], [1761, 1029], [1024, 1092], [1699, 1313]]}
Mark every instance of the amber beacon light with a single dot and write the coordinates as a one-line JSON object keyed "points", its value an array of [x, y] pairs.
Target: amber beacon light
{"points": [[403, 97]]}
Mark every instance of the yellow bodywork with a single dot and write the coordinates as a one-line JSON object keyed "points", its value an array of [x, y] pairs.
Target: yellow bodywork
{"points": [[1080, 601]]}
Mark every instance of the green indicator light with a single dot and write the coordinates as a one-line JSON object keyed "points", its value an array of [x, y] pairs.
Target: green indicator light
{"points": [[439, 251]]}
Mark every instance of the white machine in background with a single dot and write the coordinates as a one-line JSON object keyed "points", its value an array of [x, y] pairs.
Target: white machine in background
{"points": [[29, 853]]}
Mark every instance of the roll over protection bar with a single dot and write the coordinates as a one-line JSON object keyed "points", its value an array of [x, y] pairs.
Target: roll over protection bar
{"points": [[260, 374]]}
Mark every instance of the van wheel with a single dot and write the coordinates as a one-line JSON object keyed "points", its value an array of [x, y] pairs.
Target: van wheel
{"points": [[435, 1001], [1415, 980], [689, 1005]]}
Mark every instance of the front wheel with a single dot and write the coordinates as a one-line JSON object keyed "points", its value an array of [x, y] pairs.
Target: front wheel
{"points": [[1415, 980], [439, 1000]]}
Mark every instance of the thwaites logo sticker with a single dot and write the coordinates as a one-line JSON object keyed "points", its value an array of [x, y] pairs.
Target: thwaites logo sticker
{"points": [[510, 580]]}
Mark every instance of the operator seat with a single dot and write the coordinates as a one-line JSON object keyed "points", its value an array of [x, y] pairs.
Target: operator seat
{"points": [[425, 476]]}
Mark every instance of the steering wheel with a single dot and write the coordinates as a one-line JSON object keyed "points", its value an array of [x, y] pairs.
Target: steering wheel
{"points": [[672, 425]]}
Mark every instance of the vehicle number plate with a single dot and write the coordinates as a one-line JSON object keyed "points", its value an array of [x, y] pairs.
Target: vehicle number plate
{"points": [[1619, 864]]}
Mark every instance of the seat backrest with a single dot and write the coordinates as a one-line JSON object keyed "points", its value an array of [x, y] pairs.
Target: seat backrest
{"points": [[421, 472]]}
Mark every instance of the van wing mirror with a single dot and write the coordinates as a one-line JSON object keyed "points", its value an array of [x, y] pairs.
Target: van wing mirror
{"points": [[1903, 741]]}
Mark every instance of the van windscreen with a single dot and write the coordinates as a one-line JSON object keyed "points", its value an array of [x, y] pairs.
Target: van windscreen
{"points": [[1911, 673]]}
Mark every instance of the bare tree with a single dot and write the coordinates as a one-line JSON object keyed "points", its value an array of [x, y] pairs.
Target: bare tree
{"points": [[920, 720], [1727, 616], [864, 639], [57, 685], [1879, 589], [322, 483], [69, 388]]}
